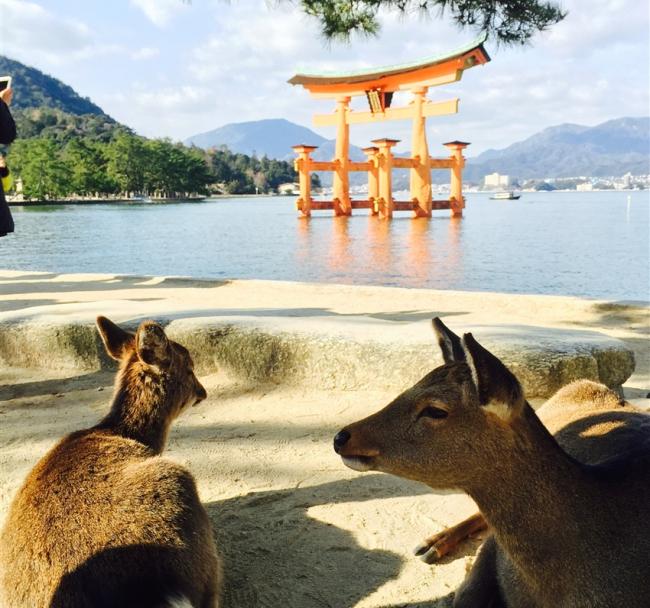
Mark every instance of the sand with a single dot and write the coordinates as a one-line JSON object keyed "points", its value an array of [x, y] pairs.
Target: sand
{"points": [[296, 528]]}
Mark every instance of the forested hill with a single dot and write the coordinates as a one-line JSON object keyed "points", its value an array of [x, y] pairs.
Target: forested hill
{"points": [[34, 89], [68, 147]]}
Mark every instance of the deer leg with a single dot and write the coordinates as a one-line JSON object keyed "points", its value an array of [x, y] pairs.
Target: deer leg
{"points": [[437, 546], [481, 588]]}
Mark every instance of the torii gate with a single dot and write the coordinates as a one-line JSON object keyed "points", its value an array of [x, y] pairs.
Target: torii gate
{"points": [[378, 86]]}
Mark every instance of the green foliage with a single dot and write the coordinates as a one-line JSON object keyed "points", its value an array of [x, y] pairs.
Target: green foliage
{"points": [[34, 89], [506, 21], [63, 127], [63, 162], [87, 164], [40, 166], [127, 162], [69, 147], [242, 174]]}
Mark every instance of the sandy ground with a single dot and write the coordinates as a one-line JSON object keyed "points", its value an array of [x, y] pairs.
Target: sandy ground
{"points": [[296, 528]]}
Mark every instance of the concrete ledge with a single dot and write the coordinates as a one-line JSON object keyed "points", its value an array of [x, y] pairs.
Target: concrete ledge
{"points": [[355, 352]]}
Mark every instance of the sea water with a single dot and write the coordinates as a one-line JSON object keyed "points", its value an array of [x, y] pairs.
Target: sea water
{"points": [[591, 244]]}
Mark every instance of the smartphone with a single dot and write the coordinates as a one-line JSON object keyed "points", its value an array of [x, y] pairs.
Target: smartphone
{"points": [[5, 82]]}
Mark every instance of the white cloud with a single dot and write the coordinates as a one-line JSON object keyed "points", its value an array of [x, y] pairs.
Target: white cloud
{"points": [[590, 68], [160, 12], [601, 24], [146, 52], [27, 29], [182, 99]]}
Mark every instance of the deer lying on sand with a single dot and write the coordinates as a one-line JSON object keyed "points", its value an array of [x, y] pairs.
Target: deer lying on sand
{"points": [[102, 521], [568, 513]]}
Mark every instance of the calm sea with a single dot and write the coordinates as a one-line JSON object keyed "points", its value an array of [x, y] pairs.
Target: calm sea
{"points": [[592, 244]]}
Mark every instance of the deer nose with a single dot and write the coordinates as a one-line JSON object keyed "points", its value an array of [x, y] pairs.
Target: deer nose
{"points": [[201, 393], [340, 440]]}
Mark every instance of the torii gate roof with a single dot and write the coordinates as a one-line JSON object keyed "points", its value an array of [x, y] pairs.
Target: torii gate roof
{"points": [[431, 71]]}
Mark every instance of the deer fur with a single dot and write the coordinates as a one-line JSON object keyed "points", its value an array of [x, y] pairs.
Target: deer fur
{"points": [[568, 512], [102, 520]]}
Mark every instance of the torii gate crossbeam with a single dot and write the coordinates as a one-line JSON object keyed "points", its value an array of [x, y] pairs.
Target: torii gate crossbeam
{"points": [[379, 85]]}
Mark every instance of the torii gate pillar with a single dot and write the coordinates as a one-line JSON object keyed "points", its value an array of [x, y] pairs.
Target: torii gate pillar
{"points": [[421, 172], [371, 153], [341, 181], [456, 187], [385, 204]]}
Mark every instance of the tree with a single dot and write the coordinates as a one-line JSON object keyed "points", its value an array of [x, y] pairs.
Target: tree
{"points": [[506, 21], [87, 166], [127, 162], [38, 163]]}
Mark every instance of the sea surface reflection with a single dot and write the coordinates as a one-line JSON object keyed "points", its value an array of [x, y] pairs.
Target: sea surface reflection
{"points": [[591, 244]]}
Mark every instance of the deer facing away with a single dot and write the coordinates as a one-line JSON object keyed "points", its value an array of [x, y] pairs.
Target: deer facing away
{"points": [[102, 520], [567, 512]]}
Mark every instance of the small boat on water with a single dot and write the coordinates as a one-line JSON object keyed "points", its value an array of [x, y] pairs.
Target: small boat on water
{"points": [[505, 196]]}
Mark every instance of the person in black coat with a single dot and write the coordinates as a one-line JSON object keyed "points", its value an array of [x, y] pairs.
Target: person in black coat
{"points": [[7, 135]]}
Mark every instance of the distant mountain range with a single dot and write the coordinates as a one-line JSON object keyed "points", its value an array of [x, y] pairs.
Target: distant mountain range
{"points": [[611, 148], [34, 89], [608, 149]]}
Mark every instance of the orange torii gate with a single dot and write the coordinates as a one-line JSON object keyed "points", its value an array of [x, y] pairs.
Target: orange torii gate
{"points": [[378, 86]]}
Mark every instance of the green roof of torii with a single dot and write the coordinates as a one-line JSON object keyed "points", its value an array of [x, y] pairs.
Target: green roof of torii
{"points": [[369, 74]]}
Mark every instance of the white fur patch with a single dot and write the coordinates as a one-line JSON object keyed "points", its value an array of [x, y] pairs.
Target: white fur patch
{"points": [[470, 361], [498, 408], [179, 602], [356, 464]]}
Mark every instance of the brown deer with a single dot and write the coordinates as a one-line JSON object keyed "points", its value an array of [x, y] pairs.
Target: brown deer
{"points": [[568, 512], [102, 520]]}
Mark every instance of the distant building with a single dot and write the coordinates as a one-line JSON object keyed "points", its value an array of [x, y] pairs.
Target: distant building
{"points": [[496, 180], [627, 181], [586, 187]]}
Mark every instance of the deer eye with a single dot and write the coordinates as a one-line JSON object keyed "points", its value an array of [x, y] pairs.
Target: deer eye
{"points": [[432, 412]]}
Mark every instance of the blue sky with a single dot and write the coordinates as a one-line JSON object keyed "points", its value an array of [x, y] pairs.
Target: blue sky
{"points": [[172, 69]]}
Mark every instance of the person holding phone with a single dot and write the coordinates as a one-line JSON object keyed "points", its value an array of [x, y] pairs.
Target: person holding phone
{"points": [[7, 135]]}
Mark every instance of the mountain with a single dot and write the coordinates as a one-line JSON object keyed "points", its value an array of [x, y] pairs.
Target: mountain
{"points": [[271, 137], [34, 89], [612, 148]]}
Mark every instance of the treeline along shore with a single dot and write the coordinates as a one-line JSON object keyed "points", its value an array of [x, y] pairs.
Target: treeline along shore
{"points": [[66, 157]]}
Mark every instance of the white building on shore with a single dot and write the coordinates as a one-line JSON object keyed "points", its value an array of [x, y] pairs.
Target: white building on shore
{"points": [[496, 180]]}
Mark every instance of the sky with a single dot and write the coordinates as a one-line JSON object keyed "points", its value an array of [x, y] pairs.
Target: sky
{"points": [[169, 68]]}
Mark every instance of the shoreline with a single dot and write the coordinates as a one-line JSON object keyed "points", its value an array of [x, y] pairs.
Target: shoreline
{"points": [[625, 302], [152, 201], [259, 446], [208, 198], [547, 338]]}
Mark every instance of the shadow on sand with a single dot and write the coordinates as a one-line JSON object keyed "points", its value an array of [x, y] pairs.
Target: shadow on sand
{"points": [[277, 554]]}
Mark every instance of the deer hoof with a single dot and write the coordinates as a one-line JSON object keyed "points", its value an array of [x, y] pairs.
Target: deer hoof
{"points": [[428, 552]]}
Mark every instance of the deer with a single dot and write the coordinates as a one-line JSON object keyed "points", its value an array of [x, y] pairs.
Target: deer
{"points": [[103, 520], [566, 500]]}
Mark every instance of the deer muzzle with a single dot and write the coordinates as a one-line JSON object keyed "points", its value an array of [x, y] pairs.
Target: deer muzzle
{"points": [[354, 455]]}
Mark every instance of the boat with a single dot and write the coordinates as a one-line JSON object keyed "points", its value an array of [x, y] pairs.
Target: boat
{"points": [[505, 196]]}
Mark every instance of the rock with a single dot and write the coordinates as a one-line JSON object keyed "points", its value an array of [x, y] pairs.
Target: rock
{"points": [[351, 352]]}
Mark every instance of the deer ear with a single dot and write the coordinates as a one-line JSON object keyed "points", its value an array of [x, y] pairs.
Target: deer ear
{"points": [[449, 342], [116, 340], [498, 388], [152, 345]]}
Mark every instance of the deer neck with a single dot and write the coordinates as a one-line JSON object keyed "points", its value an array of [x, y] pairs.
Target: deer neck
{"points": [[140, 411], [533, 494]]}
